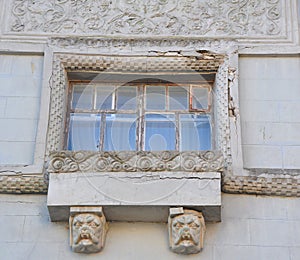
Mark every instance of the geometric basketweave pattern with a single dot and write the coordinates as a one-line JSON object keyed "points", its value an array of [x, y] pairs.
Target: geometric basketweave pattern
{"points": [[205, 61], [23, 184], [286, 187]]}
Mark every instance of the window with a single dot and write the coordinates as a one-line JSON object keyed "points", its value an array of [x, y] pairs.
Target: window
{"points": [[139, 116], [120, 111]]}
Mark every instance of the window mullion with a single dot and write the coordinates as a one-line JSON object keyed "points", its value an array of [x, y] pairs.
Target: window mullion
{"points": [[94, 98], [190, 98], [141, 117], [167, 108], [114, 100], [177, 134], [102, 129], [68, 119]]}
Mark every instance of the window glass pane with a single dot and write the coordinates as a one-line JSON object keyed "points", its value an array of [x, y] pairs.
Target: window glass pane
{"points": [[104, 99], [82, 97], [120, 132], [160, 132], [155, 98], [84, 132], [126, 98], [178, 98], [195, 132], [200, 98]]}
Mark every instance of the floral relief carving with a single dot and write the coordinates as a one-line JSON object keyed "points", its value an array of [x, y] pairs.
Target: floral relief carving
{"points": [[84, 161], [153, 17]]}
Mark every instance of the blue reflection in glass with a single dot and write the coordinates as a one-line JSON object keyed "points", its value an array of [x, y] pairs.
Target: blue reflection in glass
{"points": [[126, 98], [84, 132], [120, 132], [160, 132], [195, 132], [82, 96], [200, 98], [104, 97], [155, 98], [178, 98]]}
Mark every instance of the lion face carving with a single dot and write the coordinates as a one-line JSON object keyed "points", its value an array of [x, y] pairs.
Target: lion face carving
{"points": [[88, 232], [186, 232]]}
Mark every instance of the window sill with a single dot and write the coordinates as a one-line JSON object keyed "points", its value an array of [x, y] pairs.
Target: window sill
{"points": [[135, 186]]}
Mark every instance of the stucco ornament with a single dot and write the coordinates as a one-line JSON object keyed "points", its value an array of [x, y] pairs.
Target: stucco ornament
{"points": [[153, 17], [88, 229], [86, 161], [186, 231]]}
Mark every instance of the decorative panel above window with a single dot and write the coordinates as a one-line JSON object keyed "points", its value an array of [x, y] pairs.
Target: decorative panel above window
{"points": [[137, 131]]}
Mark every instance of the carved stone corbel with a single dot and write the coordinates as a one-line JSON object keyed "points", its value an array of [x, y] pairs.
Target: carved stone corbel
{"points": [[186, 231], [88, 229]]}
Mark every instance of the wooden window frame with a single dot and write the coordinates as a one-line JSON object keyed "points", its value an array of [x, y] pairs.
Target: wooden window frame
{"points": [[141, 110]]}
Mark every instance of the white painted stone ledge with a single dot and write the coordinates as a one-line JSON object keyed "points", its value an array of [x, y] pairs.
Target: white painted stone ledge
{"points": [[153, 192]]}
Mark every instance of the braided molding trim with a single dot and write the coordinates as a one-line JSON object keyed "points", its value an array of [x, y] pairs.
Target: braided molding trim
{"points": [[23, 184]]}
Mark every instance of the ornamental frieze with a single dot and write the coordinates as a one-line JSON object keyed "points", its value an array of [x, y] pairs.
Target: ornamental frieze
{"points": [[85, 161], [210, 18]]}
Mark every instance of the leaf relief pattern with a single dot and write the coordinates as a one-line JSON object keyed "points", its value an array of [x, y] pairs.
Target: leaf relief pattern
{"points": [[232, 18]]}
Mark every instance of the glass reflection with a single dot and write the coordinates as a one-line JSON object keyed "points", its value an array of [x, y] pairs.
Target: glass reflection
{"points": [[195, 132], [84, 132], [120, 132], [82, 97], [160, 132]]}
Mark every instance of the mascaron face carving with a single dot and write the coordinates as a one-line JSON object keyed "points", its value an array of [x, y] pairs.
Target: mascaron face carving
{"points": [[87, 232], [186, 231]]}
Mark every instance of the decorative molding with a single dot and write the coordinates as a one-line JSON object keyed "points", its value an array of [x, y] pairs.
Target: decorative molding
{"points": [[150, 44], [204, 61], [221, 109], [216, 18], [21, 184], [84, 161], [254, 185], [271, 185]]}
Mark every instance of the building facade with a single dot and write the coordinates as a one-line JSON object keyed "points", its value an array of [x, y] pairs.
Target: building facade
{"points": [[130, 117]]}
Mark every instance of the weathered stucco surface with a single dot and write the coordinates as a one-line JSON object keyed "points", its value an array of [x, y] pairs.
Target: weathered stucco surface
{"points": [[260, 141], [251, 228]]}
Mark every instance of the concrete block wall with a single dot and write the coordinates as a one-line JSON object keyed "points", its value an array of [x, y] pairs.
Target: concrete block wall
{"points": [[269, 107], [252, 227], [20, 87]]}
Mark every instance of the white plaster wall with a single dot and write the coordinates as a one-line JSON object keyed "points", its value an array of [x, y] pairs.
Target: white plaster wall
{"points": [[269, 108], [263, 228], [298, 5], [20, 87]]}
